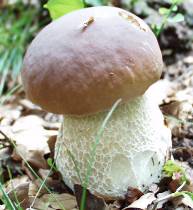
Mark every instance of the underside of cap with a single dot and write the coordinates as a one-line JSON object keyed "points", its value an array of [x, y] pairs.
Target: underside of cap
{"points": [[86, 60]]}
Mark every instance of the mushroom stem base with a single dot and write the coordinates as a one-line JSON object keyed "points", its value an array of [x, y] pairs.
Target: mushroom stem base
{"points": [[131, 152]]}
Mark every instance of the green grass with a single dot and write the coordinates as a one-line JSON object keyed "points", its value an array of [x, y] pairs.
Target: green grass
{"points": [[168, 15], [44, 181], [10, 205], [16, 201], [18, 23], [5, 199], [9, 93]]}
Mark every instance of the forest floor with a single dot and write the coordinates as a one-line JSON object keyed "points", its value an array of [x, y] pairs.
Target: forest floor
{"points": [[28, 135]]}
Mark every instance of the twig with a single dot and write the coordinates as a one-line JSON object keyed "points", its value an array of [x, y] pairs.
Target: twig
{"points": [[168, 197]]}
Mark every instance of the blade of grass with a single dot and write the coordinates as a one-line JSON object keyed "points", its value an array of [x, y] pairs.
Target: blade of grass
{"points": [[4, 78], [6, 200], [17, 63], [6, 68], [93, 152], [14, 193], [166, 17], [34, 173], [3, 59], [44, 181], [9, 94]]}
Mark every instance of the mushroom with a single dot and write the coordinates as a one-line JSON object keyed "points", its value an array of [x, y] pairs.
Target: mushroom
{"points": [[79, 66]]}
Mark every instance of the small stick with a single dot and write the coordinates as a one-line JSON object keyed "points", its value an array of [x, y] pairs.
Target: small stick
{"points": [[172, 195]]}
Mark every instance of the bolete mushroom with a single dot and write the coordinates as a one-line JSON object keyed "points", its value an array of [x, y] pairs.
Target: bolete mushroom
{"points": [[79, 66]]}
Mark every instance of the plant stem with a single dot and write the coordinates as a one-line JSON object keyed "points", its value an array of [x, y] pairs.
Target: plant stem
{"points": [[166, 19], [167, 197]]}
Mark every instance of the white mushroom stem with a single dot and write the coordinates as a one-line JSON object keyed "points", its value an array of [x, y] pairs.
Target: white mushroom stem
{"points": [[131, 152]]}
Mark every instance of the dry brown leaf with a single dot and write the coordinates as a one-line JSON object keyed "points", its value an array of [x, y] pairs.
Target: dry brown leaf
{"points": [[18, 188], [56, 185], [21, 193], [142, 203], [43, 173], [29, 131], [19, 153], [51, 143], [16, 182], [33, 189], [34, 157], [65, 200], [9, 113], [161, 195], [28, 105], [178, 109], [183, 153], [173, 185], [132, 195], [39, 204], [114, 206], [35, 186], [92, 202], [28, 171]]}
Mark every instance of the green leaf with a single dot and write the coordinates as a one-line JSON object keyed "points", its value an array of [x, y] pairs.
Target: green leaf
{"points": [[176, 1], [175, 8], [188, 197], [94, 2], [164, 11], [177, 18], [171, 167], [50, 162], [58, 8]]}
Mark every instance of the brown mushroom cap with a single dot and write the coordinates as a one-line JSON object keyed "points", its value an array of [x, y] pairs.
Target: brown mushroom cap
{"points": [[83, 62]]}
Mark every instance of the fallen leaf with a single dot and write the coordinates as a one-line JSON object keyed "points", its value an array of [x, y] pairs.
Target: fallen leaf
{"points": [[9, 113], [51, 143], [16, 182], [39, 204], [142, 203], [21, 193], [173, 185], [114, 206], [161, 195], [29, 131], [132, 195], [34, 157], [35, 186], [178, 109], [57, 186], [56, 201]]}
